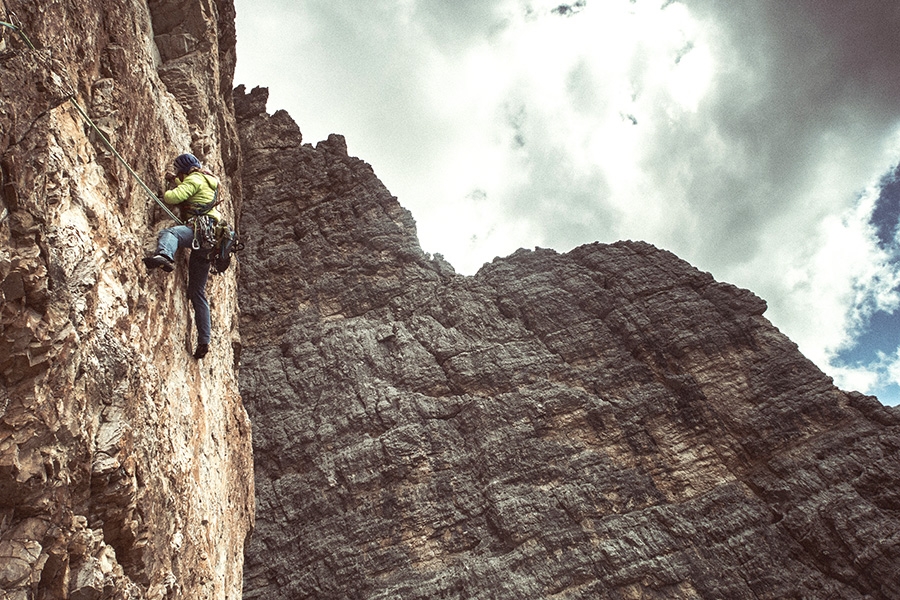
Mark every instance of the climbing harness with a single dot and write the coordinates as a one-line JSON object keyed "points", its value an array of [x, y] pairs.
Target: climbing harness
{"points": [[213, 237], [204, 225], [15, 25]]}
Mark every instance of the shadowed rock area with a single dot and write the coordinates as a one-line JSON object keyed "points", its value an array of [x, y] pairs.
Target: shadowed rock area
{"points": [[605, 423]]}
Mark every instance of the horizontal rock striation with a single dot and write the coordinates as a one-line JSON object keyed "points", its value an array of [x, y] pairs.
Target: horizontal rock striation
{"points": [[605, 423], [125, 465]]}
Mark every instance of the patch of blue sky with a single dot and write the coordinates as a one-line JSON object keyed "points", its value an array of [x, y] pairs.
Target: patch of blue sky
{"points": [[877, 347], [886, 215]]}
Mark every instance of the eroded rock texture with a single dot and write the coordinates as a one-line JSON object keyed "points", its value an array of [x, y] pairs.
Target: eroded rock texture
{"points": [[606, 423], [125, 465]]}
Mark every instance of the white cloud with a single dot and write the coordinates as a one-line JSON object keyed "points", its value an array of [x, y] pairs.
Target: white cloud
{"points": [[880, 377], [833, 291], [893, 368], [546, 109], [503, 125]]}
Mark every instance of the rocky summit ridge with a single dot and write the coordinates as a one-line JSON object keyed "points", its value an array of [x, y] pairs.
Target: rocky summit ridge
{"points": [[605, 423]]}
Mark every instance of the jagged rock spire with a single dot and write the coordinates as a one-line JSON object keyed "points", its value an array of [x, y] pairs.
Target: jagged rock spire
{"points": [[605, 423]]}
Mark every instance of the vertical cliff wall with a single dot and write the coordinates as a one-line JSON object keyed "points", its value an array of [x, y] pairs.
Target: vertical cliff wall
{"points": [[125, 464], [606, 423]]}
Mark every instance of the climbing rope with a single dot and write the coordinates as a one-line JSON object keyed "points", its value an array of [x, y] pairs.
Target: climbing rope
{"points": [[71, 97], [123, 161], [17, 28]]}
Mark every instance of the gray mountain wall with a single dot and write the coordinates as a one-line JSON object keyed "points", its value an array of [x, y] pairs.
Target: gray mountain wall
{"points": [[606, 423]]}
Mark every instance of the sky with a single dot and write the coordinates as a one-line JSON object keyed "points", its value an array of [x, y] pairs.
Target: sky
{"points": [[757, 139]]}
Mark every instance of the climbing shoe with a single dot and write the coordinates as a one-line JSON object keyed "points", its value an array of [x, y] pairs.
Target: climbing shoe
{"points": [[160, 260], [202, 349]]}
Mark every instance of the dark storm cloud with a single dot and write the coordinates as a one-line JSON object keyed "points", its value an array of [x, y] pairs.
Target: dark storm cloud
{"points": [[842, 48], [794, 80]]}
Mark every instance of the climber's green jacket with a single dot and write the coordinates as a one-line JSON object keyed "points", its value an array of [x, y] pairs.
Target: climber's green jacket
{"points": [[195, 192]]}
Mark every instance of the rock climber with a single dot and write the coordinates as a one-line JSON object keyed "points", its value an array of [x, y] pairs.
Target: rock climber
{"points": [[194, 190]]}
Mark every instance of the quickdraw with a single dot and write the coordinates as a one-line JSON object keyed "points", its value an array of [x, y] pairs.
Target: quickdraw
{"points": [[204, 232]]}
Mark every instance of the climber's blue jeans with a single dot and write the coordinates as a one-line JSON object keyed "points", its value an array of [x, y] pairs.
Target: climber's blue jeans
{"points": [[182, 236]]}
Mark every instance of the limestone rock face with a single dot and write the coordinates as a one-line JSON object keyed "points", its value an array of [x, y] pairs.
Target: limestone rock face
{"points": [[606, 423], [125, 465]]}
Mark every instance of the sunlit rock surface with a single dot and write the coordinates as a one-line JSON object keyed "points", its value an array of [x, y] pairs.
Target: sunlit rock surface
{"points": [[606, 423], [125, 465]]}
